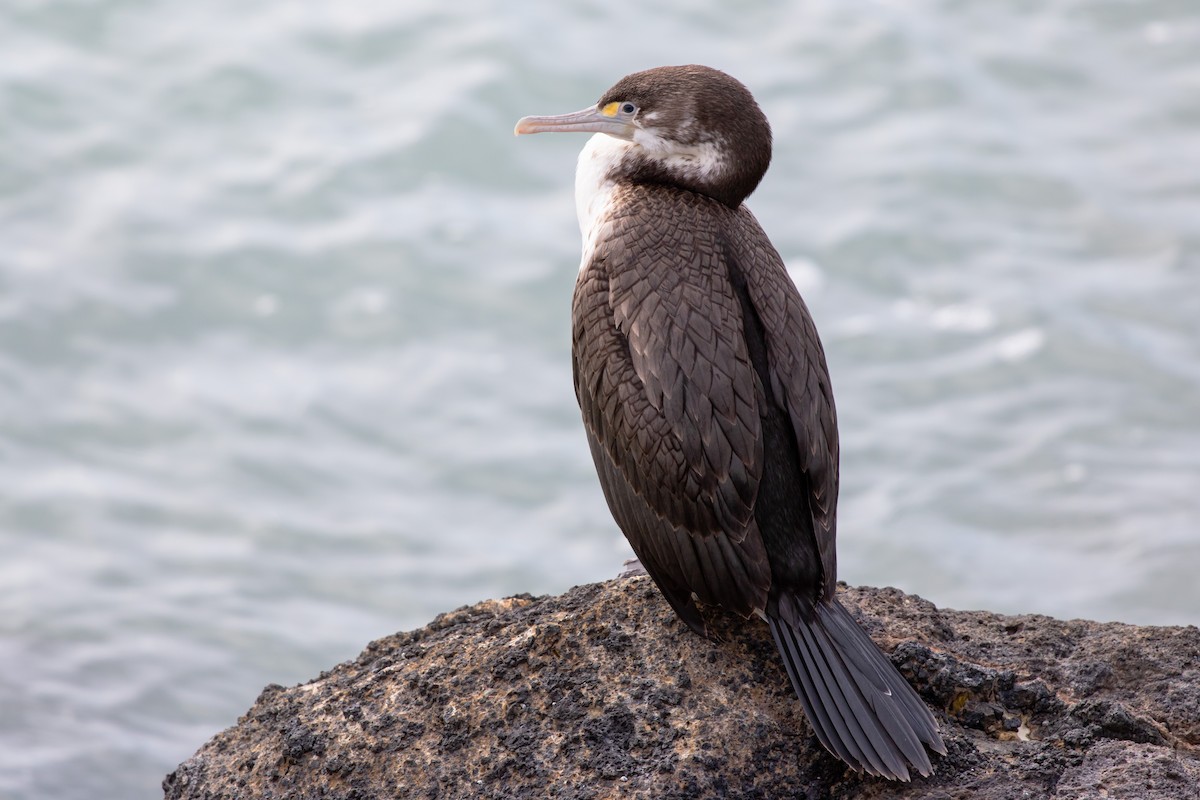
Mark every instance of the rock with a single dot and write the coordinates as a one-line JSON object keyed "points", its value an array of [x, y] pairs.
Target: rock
{"points": [[602, 693]]}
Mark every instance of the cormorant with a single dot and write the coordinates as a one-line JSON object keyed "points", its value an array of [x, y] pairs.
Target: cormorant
{"points": [[706, 398]]}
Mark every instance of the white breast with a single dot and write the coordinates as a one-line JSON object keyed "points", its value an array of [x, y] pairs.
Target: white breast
{"points": [[594, 190]]}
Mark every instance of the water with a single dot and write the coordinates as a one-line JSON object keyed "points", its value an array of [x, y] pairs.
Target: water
{"points": [[284, 348]]}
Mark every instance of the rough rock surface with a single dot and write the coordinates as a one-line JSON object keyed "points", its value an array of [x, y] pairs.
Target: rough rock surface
{"points": [[602, 693]]}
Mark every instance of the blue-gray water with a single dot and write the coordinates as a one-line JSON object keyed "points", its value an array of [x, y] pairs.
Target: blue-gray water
{"points": [[284, 349]]}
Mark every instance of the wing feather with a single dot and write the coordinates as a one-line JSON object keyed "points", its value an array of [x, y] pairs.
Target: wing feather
{"points": [[799, 381], [668, 396]]}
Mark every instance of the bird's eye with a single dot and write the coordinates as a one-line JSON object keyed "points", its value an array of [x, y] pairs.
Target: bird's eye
{"points": [[628, 108]]}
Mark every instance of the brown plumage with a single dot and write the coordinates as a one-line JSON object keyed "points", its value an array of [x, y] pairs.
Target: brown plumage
{"points": [[706, 398]]}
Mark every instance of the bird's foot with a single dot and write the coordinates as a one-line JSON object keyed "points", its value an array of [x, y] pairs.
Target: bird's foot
{"points": [[701, 628], [632, 569]]}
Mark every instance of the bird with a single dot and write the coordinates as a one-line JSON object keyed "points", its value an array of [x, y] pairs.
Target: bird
{"points": [[706, 398]]}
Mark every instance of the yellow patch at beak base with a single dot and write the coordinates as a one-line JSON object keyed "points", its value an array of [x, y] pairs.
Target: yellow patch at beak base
{"points": [[610, 109]]}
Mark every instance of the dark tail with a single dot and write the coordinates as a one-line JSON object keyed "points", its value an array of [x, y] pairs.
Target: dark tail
{"points": [[862, 709]]}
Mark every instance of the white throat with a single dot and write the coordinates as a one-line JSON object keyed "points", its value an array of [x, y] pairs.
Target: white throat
{"points": [[593, 188]]}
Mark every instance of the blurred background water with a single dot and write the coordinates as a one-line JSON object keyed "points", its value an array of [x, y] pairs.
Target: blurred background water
{"points": [[284, 344]]}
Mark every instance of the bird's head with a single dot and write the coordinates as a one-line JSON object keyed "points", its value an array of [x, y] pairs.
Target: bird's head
{"points": [[688, 126]]}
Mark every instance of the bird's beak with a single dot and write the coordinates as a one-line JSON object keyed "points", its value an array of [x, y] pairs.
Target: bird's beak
{"points": [[589, 120]]}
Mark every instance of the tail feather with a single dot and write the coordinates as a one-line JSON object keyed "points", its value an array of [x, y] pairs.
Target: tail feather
{"points": [[862, 709], [892, 700], [859, 720], [920, 721], [816, 709]]}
